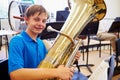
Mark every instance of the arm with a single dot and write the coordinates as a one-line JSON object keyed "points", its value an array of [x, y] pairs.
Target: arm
{"points": [[19, 72], [42, 73], [77, 56]]}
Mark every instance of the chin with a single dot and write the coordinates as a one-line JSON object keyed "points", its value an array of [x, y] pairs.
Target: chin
{"points": [[38, 32]]}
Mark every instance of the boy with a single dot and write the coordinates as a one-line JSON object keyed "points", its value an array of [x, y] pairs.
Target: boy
{"points": [[26, 50]]}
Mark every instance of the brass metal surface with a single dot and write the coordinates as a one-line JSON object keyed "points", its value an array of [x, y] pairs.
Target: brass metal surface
{"points": [[80, 15]]}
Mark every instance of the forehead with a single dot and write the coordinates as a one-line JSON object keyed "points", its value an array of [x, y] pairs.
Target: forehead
{"points": [[41, 15]]}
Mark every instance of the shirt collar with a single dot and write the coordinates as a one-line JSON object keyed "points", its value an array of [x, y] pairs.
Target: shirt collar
{"points": [[27, 37]]}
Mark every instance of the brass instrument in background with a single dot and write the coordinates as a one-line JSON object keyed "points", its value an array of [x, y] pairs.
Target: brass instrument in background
{"points": [[64, 48]]}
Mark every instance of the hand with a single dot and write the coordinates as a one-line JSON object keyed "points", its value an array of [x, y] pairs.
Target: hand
{"points": [[117, 34], [65, 73], [77, 56]]}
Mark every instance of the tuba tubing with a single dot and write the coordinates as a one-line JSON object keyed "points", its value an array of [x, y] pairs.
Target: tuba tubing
{"points": [[49, 28], [74, 24], [75, 48], [62, 50]]}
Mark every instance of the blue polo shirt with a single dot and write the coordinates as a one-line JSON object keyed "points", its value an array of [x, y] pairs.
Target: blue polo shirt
{"points": [[24, 52]]}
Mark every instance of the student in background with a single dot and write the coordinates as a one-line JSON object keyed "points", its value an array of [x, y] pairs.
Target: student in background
{"points": [[104, 34]]}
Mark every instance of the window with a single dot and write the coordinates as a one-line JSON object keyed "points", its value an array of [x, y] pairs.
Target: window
{"points": [[4, 9]]}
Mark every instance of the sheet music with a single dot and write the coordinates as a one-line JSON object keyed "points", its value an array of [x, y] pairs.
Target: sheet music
{"points": [[101, 72], [104, 25]]}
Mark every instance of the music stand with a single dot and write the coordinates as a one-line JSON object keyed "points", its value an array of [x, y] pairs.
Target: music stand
{"points": [[90, 29], [56, 25], [115, 27]]}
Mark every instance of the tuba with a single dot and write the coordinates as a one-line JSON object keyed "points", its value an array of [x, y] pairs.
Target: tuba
{"points": [[65, 46]]}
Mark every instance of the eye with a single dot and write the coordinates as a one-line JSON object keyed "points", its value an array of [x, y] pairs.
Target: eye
{"points": [[36, 19], [44, 21]]}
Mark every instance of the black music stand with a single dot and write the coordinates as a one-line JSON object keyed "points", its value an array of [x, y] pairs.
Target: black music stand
{"points": [[115, 27], [56, 25], [90, 29]]}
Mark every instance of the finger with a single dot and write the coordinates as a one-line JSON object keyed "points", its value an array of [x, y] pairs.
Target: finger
{"points": [[71, 75], [76, 57], [60, 66], [73, 68]]}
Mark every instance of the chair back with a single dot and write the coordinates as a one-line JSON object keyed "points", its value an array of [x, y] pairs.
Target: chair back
{"points": [[117, 51], [118, 47], [111, 67]]}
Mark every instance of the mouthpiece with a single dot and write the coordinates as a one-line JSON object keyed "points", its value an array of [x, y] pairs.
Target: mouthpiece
{"points": [[50, 29]]}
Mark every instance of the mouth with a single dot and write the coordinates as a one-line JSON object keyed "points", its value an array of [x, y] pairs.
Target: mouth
{"points": [[39, 28]]}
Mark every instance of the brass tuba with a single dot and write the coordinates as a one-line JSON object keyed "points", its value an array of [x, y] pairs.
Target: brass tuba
{"points": [[65, 47]]}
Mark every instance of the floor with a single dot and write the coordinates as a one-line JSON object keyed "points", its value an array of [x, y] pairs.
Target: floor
{"points": [[96, 61], [93, 59]]}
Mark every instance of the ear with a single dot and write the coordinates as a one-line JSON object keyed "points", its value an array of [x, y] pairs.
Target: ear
{"points": [[26, 19]]}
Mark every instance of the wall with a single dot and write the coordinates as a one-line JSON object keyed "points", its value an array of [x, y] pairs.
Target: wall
{"points": [[53, 5], [113, 11], [112, 8]]}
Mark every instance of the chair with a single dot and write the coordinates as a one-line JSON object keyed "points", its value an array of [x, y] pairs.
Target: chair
{"points": [[117, 67], [4, 70], [111, 67], [117, 52], [100, 44]]}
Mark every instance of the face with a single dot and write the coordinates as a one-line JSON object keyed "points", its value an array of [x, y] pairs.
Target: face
{"points": [[36, 23]]}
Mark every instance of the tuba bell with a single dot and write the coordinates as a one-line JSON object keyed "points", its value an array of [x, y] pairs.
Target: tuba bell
{"points": [[65, 47]]}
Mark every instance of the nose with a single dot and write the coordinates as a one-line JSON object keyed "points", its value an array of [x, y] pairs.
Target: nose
{"points": [[40, 23]]}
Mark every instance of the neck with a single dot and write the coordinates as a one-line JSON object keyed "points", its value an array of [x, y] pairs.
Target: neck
{"points": [[31, 34]]}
